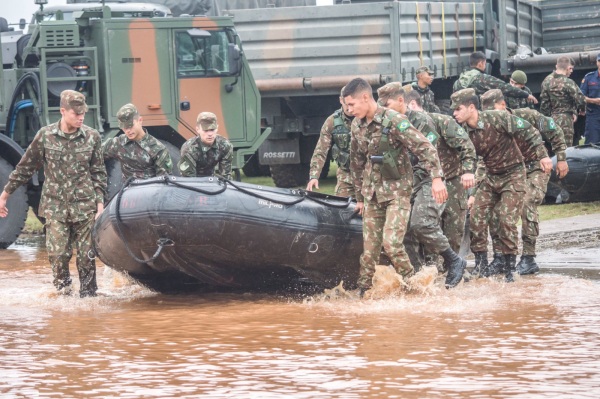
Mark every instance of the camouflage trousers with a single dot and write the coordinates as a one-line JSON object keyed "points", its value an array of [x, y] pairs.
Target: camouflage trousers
{"points": [[455, 213], [424, 227], [384, 225], [537, 182], [565, 121], [61, 238], [344, 186], [500, 195]]}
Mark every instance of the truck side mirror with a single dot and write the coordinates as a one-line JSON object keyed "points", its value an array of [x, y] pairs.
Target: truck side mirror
{"points": [[235, 58], [22, 23]]}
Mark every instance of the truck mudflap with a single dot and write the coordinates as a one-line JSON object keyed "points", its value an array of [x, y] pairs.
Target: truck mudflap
{"points": [[279, 152]]}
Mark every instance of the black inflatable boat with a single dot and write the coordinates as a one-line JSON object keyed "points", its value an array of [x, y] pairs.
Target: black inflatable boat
{"points": [[174, 231], [582, 183]]}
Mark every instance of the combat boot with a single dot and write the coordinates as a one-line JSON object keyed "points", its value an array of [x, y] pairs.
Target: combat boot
{"points": [[510, 266], [455, 266], [496, 266], [527, 265], [481, 263]]}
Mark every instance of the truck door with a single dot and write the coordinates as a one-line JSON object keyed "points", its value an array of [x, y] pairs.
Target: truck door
{"points": [[204, 76]]}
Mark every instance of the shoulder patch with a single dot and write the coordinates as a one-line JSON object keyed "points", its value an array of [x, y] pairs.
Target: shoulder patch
{"points": [[184, 166], [460, 132], [520, 122], [551, 124], [432, 137], [402, 126]]}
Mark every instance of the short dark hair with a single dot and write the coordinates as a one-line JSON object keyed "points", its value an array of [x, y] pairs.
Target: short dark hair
{"points": [[476, 57], [356, 86], [564, 62], [413, 95]]}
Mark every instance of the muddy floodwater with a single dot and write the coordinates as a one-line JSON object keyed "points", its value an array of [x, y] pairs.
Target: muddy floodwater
{"points": [[536, 338]]}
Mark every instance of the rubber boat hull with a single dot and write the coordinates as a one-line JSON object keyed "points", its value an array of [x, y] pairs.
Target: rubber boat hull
{"points": [[174, 231], [582, 183]]}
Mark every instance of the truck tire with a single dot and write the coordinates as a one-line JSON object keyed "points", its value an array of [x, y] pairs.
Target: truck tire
{"points": [[253, 168], [291, 175], [12, 225]]}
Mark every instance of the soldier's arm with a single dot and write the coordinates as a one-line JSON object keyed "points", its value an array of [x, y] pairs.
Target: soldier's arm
{"points": [[490, 82], [577, 95], [187, 162], [98, 170], [545, 101], [322, 148], [109, 148], [457, 138], [163, 163], [30, 162], [224, 168], [358, 160], [520, 128], [553, 133], [480, 173], [407, 135]]}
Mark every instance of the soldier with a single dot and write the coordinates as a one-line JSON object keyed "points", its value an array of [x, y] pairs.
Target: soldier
{"points": [[141, 155], [590, 87], [200, 155], [518, 79], [537, 180], [73, 193], [425, 217], [458, 159], [382, 176], [561, 99], [476, 78], [335, 134], [503, 187], [424, 79]]}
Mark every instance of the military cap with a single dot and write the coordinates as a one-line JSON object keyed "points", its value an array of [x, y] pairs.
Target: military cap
{"points": [[384, 92], [207, 120], [519, 76], [126, 115], [459, 97], [71, 99], [424, 69], [491, 97]]}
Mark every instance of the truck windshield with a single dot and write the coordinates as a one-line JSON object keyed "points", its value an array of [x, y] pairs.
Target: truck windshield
{"points": [[202, 54]]}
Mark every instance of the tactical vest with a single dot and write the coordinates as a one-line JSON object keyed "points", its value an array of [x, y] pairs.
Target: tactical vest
{"points": [[466, 78], [340, 151], [389, 166]]}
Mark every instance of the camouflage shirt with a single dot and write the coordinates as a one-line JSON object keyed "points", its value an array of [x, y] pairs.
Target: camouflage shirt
{"points": [[493, 140], [550, 131], [427, 98], [455, 149], [516, 103], [199, 160], [560, 95], [365, 141], [482, 82], [75, 177], [326, 141], [139, 159], [424, 124]]}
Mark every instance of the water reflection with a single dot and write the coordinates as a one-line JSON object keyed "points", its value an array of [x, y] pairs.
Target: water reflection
{"points": [[487, 339]]}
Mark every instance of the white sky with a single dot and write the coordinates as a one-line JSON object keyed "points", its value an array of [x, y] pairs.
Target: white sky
{"points": [[12, 10]]}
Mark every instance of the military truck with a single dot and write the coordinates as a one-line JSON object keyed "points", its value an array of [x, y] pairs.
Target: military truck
{"points": [[171, 68]]}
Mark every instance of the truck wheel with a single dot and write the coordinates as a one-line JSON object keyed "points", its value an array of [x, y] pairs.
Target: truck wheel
{"points": [[291, 175], [12, 225]]}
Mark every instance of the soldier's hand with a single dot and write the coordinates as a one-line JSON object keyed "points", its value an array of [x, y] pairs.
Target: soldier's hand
{"points": [[532, 99], [470, 202], [438, 190], [99, 211], [3, 209], [468, 180], [546, 164], [312, 183], [562, 168], [360, 206]]}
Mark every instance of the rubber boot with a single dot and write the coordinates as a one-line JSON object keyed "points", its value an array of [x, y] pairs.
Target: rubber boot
{"points": [[510, 266], [527, 265], [455, 266], [496, 266], [481, 263]]}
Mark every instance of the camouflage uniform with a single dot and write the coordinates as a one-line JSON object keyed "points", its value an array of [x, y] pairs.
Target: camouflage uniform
{"points": [[560, 99], [481, 82], [75, 183], [516, 103], [503, 188], [386, 198], [335, 134], [198, 159], [427, 98]]}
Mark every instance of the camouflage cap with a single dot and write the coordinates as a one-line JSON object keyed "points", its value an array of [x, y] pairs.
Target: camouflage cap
{"points": [[519, 76], [126, 115], [424, 69], [384, 92], [71, 99], [491, 97], [460, 97], [207, 120]]}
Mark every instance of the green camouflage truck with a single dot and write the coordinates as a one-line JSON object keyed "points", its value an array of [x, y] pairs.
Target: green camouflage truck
{"points": [[171, 68]]}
